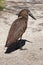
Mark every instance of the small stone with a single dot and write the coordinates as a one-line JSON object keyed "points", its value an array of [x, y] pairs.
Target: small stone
{"points": [[40, 48]]}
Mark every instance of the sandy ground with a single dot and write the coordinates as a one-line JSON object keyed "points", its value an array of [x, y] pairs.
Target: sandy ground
{"points": [[33, 53]]}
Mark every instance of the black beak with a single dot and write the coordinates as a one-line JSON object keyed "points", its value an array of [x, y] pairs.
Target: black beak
{"points": [[30, 14]]}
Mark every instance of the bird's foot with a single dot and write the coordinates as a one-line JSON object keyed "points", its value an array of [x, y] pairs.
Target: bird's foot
{"points": [[23, 48]]}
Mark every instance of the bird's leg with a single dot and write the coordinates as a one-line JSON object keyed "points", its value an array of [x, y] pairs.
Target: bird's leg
{"points": [[21, 38]]}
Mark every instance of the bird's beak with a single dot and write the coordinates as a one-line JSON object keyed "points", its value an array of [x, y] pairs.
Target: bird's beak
{"points": [[30, 14]]}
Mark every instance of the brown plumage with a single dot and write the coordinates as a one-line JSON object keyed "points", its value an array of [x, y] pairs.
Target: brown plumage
{"points": [[18, 27]]}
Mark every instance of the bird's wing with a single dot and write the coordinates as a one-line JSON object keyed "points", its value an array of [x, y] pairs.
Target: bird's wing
{"points": [[16, 30]]}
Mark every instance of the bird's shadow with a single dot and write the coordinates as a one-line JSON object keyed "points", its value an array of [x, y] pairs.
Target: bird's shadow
{"points": [[18, 45]]}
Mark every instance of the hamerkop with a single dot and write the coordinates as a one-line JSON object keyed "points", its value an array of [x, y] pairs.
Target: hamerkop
{"points": [[18, 27]]}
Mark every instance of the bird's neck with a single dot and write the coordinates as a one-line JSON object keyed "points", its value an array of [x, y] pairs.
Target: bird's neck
{"points": [[24, 17]]}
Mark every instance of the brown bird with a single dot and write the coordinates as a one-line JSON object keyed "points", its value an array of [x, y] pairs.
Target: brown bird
{"points": [[18, 27]]}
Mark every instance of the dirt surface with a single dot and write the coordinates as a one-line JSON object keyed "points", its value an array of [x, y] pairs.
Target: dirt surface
{"points": [[33, 50]]}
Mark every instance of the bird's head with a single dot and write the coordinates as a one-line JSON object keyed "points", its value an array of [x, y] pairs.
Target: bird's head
{"points": [[25, 13]]}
